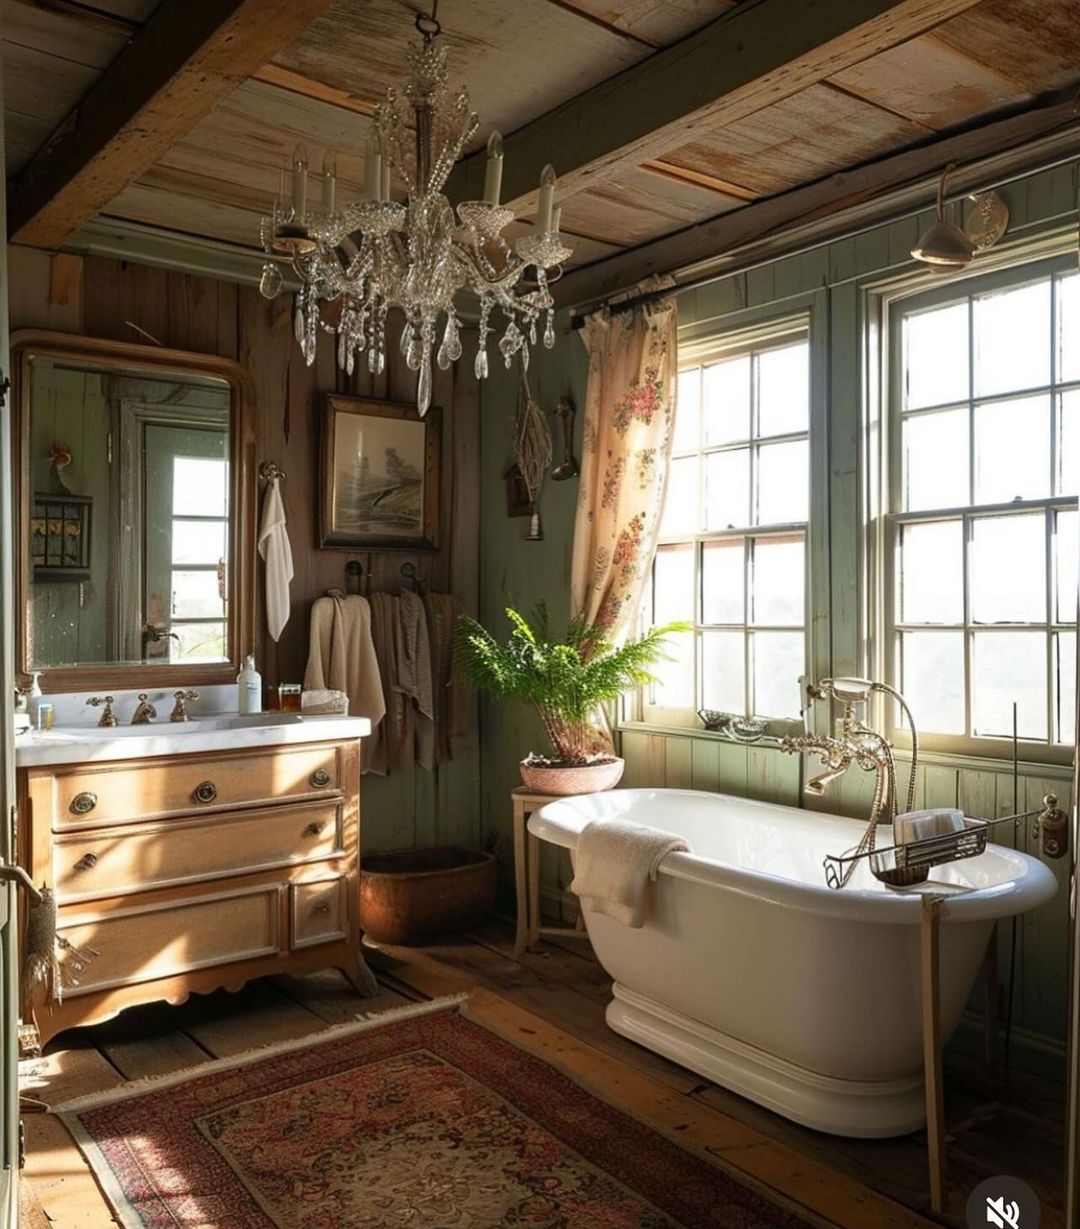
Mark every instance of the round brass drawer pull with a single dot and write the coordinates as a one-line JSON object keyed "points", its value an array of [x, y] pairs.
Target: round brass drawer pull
{"points": [[87, 862], [205, 791], [314, 829], [323, 908], [83, 804], [320, 778]]}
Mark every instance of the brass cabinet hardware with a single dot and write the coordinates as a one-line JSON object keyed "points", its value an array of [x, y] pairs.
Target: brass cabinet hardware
{"points": [[87, 862], [314, 829], [205, 791], [84, 803], [322, 908], [320, 778]]}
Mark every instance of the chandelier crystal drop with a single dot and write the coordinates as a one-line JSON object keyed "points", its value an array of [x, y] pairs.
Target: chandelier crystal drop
{"points": [[356, 262]]}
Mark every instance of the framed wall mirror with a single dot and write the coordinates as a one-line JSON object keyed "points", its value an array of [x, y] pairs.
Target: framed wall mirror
{"points": [[134, 514]]}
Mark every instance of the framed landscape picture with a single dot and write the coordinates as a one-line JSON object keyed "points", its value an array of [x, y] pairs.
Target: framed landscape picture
{"points": [[379, 475]]}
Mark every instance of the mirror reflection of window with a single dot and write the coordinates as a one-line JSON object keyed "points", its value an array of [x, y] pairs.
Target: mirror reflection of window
{"points": [[185, 485], [200, 530], [139, 463]]}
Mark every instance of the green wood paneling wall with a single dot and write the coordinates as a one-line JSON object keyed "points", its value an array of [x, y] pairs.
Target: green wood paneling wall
{"points": [[513, 570]]}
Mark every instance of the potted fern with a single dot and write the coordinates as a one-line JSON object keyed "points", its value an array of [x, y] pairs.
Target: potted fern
{"points": [[566, 682]]}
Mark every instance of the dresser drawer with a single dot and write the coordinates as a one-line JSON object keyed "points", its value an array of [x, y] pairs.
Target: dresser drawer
{"points": [[319, 913], [88, 797], [131, 858], [151, 941]]}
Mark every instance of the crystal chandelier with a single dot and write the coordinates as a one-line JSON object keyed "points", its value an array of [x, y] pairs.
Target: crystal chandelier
{"points": [[357, 262]]}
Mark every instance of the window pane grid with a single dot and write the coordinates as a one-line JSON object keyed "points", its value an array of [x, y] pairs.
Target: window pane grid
{"points": [[1015, 437], [748, 425]]}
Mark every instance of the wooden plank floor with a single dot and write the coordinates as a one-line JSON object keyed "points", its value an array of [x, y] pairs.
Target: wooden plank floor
{"points": [[997, 1130]]}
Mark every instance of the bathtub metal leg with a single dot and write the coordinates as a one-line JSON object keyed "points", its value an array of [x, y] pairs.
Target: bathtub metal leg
{"points": [[990, 1004], [534, 890], [931, 1003], [521, 934]]}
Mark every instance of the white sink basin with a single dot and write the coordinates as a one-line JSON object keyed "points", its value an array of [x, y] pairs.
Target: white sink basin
{"points": [[158, 729], [75, 744]]}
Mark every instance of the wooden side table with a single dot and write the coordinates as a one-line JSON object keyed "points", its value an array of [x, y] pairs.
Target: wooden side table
{"points": [[527, 876]]}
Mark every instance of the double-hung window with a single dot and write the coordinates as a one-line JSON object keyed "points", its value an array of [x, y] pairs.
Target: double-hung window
{"points": [[982, 525], [732, 555]]}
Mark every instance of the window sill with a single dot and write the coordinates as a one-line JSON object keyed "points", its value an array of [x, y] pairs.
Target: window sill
{"points": [[937, 759]]}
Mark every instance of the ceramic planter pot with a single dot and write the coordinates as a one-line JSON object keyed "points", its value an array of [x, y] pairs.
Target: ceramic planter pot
{"points": [[565, 781]]}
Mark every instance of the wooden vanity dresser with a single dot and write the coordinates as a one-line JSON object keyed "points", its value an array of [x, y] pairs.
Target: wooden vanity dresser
{"points": [[189, 872]]}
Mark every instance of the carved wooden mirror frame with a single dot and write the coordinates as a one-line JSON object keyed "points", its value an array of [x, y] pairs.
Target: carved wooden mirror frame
{"points": [[26, 345]]}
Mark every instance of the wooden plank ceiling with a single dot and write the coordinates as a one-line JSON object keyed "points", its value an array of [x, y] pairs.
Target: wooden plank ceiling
{"points": [[520, 61]]}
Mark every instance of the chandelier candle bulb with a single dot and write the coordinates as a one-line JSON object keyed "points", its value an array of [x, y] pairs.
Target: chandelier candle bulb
{"points": [[556, 219], [493, 168], [384, 182], [372, 169], [299, 184], [329, 182], [547, 200]]}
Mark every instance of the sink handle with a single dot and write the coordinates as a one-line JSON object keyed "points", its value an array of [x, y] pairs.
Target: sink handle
{"points": [[108, 717], [179, 712]]}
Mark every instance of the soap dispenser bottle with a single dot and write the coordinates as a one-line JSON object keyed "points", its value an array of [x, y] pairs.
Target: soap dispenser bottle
{"points": [[34, 698], [249, 687]]}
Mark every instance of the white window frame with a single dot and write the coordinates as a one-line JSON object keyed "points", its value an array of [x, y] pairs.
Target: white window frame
{"points": [[711, 341], [923, 295]]}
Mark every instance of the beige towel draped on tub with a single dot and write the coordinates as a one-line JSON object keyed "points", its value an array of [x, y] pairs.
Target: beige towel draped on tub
{"points": [[342, 657], [614, 863]]}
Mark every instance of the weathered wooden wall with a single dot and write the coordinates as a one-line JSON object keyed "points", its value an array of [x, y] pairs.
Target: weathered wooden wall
{"points": [[127, 302], [525, 572]]}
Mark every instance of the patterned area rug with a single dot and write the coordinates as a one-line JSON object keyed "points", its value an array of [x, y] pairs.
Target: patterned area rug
{"points": [[426, 1121]]}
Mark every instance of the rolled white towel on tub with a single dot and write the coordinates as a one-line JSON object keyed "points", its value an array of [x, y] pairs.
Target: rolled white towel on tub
{"points": [[921, 825], [614, 863]]}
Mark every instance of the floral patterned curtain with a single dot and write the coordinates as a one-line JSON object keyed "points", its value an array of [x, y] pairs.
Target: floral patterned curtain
{"points": [[629, 420]]}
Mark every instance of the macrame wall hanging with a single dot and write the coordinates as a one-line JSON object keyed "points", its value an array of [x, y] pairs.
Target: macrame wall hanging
{"points": [[532, 449]]}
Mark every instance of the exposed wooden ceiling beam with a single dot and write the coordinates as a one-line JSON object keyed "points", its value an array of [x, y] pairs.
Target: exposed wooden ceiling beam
{"points": [[188, 56], [297, 83], [687, 174], [830, 208], [570, 7], [756, 54]]}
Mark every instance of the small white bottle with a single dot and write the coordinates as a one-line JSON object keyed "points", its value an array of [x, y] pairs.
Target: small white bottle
{"points": [[249, 687], [34, 698]]}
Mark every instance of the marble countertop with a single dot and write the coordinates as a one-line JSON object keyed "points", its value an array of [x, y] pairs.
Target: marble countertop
{"points": [[86, 744]]}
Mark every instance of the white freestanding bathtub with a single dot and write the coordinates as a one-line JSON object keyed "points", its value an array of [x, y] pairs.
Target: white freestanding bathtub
{"points": [[752, 972]]}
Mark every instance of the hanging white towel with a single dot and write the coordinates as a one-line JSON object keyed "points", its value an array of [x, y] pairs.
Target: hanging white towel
{"points": [[614, 862], [277, 555]]}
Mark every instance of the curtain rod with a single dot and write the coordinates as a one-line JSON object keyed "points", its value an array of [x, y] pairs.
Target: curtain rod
{"points": [[707, 279]]}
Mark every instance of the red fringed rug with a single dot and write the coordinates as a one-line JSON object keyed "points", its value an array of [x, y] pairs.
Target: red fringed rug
{"points": [[425, 1121]]}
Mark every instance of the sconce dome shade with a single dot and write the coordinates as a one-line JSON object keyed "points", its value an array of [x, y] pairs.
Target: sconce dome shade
{"points": [[945, 245]]}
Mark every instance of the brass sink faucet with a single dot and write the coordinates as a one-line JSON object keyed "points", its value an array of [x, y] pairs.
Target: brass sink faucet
{"points": [[145, 712]]}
